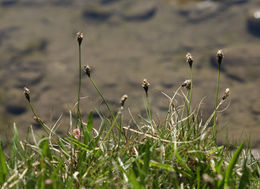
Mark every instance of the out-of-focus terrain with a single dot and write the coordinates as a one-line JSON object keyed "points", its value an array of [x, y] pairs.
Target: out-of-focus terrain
{"points": [[126, 41]]}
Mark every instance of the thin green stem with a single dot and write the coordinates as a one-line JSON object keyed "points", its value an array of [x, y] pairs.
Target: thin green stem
{"points": [[41, 123], [191, 85], [216, 104], [79, 88], [182, 114], [148, 106], [190, 98], [107, 105], [111, 127], [103, 98]]}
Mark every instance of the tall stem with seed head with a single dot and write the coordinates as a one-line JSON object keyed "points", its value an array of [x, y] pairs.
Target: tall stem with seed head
{"points": [[87, 70], [189, 60], [219, 60], [145, 86], [79, 38]]}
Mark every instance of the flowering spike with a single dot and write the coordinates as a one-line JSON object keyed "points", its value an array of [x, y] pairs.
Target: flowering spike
{"points": [[226, 94], [79, 37], [145, 85], [87, 70], [187, 84], [27, 93], [189, 59], [220, 56], [123, 99]]}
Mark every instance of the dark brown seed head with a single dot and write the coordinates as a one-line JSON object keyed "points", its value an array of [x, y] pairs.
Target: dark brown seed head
{"points": [[79, 37], [87, 70], [189, 59], [145, 85], [220, 56], [26, 92], [226, 94], [123, 99], [187, 84]]}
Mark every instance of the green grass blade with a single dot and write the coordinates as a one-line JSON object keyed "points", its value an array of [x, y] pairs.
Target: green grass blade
{"points": [[147, 157], [78, 144], [90, 122], [232, 164], [244, 180], [16, 149], [188, 171], [133, 181], [198, 177], [45, 149], [3, 167], [87, 133], [159, 165]]}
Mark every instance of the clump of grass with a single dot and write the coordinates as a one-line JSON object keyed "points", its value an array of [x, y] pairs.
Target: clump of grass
{"points": [[182, 153]]}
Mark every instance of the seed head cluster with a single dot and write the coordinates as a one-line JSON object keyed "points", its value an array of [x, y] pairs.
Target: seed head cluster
{"points": [[123, 99], [145, 85], [27, 93], [87, 70], [226, 94], [220, 56], [189, 59], [79, 37], [187, 84]]}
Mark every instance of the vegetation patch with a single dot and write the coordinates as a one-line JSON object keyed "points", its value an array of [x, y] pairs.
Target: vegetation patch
{"points": [[178, 152]]}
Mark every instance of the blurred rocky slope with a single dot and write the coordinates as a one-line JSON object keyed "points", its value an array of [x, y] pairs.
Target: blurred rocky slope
{"points": [[126, 41]]}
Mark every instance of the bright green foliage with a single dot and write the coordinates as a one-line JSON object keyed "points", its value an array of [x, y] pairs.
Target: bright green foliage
{"points": [[3, 167]]}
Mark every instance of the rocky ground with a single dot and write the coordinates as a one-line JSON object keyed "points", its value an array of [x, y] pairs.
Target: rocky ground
{"points": [[126, 41]]}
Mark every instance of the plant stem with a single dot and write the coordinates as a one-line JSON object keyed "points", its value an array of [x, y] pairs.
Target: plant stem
{"points": [[191, 85], [107, 105], [79, 87], [148, 106], [103, 98], [190, 98], [41, 123], [216, 104]]}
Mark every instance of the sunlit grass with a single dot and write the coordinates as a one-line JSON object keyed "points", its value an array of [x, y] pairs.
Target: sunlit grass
{"points": [[180, 152]]}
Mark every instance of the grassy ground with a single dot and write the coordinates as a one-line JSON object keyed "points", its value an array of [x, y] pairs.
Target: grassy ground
{"points": [[178, 152]]}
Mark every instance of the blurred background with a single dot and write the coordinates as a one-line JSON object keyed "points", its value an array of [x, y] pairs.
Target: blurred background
{"points": [[124, 42]]}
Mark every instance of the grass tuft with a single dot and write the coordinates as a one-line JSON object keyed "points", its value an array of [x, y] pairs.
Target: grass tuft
{"points": [[180, 152]]}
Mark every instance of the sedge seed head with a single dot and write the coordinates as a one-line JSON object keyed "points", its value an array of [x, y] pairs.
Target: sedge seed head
{"points": [[220, 56], [123, 99], [27, 92], [226, 94], [145, 85], [187, 84], [189, 59], [79, 37], [87, 70]]}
